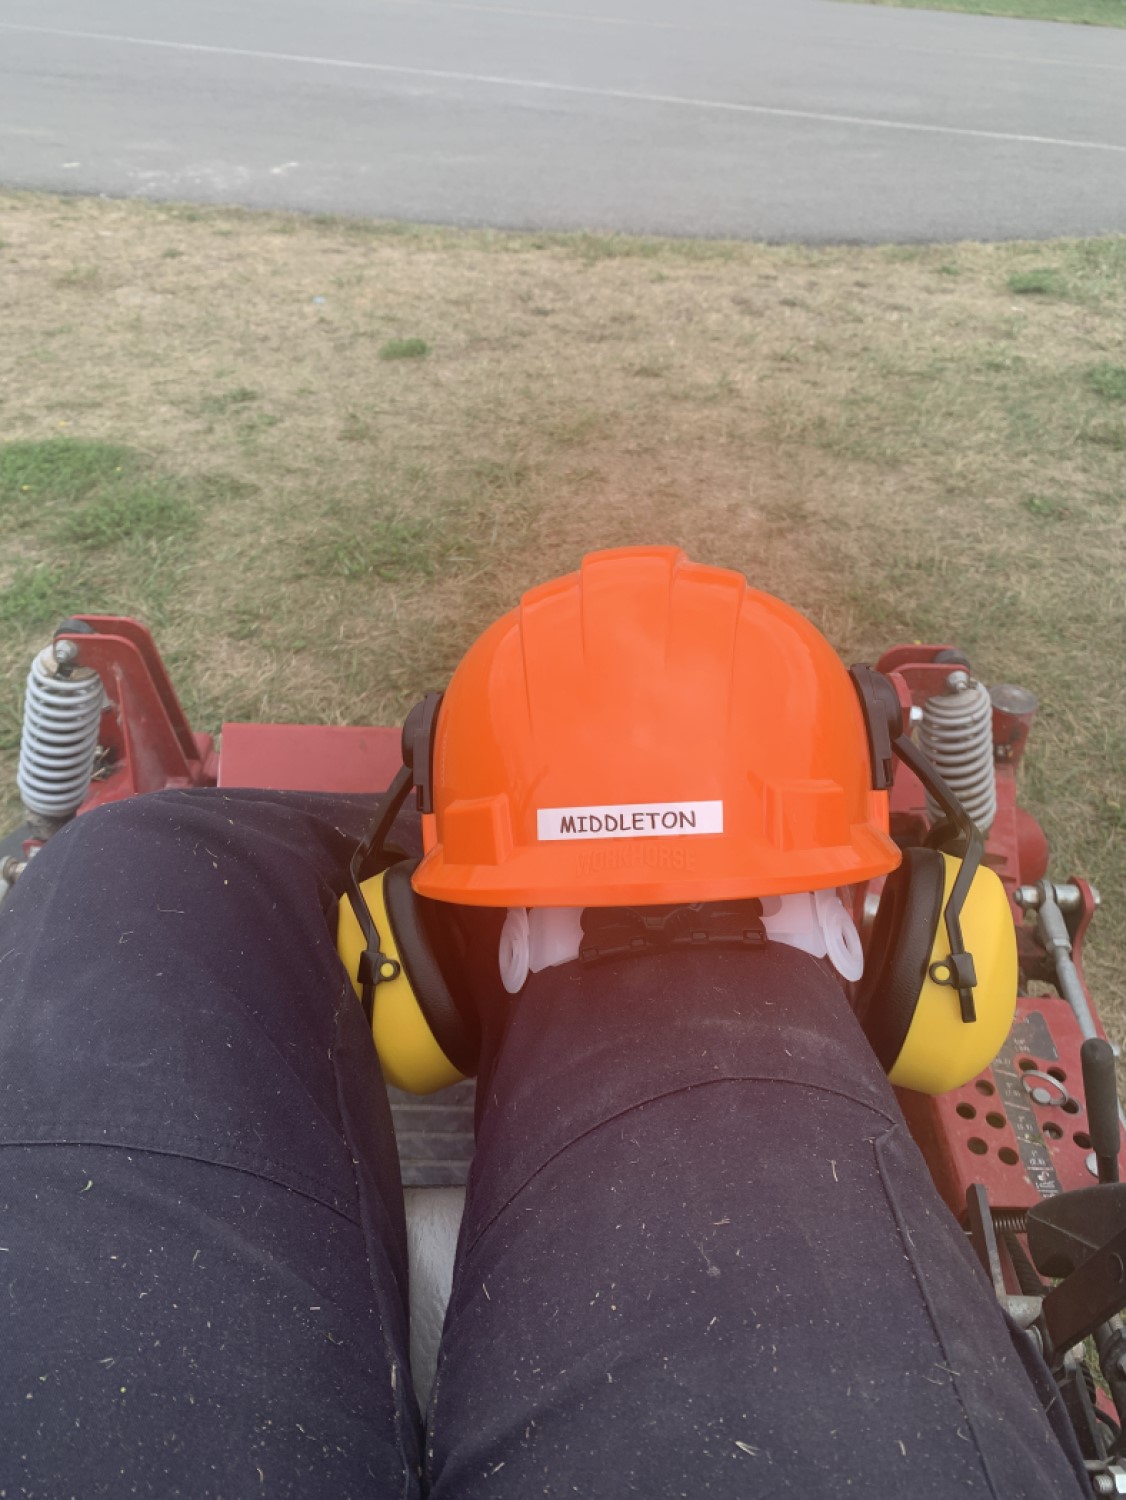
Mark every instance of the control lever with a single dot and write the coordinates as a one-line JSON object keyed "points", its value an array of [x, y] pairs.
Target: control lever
{"points": [[1066, 1230], [1081, 1237], [1100, 1091]]}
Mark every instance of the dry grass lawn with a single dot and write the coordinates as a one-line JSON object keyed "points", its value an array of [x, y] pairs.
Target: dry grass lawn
{"points": [[318, 456]]}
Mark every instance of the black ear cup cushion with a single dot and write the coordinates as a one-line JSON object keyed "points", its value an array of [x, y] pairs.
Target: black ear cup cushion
{"points": [[895, 967], [423, 968]]}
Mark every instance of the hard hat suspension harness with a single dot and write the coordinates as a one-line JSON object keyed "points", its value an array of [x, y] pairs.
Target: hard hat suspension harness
{"points": [[622, 932]]}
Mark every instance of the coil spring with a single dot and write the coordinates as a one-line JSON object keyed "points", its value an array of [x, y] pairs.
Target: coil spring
{"points": [[956, 734], [60, 736], [1010, 1220]]}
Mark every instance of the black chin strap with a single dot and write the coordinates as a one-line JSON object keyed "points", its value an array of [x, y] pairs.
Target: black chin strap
{"points": [[375, 966], [957, 970]]}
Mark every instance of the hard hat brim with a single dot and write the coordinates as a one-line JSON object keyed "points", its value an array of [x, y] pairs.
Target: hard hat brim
{"points": [[653, 872]]}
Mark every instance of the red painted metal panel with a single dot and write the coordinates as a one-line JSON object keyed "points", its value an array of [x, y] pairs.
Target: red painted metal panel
{"points": [[146, 741], [995, 1132], [309, 757]]}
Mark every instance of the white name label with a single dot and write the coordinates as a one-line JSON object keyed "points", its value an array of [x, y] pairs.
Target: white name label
{"points": [[633, 820]]}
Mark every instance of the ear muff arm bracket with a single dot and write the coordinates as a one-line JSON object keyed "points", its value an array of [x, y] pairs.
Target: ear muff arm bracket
{"points": [[375, 966], [957, 970]]}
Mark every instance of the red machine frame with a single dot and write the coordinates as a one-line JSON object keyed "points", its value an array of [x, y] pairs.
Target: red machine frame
{"points": [[999, 1130]]}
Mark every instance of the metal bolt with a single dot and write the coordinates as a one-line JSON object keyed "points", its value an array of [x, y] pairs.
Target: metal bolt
{"points": [[66, 653], [958, 682], [1043, 1088], [1067, 897]]}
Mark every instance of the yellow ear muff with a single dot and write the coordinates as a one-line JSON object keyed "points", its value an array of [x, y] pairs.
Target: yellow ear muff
{"points": [[940, 1050], [410, 1056]]}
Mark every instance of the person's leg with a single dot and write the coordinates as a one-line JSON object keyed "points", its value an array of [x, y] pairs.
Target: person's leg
{"points": [[701, 1256], [202, 1250]]}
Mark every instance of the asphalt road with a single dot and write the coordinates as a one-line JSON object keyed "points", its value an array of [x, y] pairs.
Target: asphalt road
{"points": [[773, 119]]}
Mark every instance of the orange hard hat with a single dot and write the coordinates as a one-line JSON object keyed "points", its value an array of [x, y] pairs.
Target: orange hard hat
{"points": [[648, 731]]}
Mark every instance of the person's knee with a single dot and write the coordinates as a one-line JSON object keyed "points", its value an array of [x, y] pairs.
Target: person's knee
{"points": [[115, 849], [115, 822]]}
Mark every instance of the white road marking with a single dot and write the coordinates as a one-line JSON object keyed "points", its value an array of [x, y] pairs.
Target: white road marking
{"points": [[443, 75], [557, 15], [632, 21]]}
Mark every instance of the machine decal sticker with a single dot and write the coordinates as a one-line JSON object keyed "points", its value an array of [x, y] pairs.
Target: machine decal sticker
{"points": [[1030, 1037], [633, 820]]}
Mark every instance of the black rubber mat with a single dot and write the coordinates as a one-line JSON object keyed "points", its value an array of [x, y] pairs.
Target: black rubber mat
{"points": [[435, 1135]]}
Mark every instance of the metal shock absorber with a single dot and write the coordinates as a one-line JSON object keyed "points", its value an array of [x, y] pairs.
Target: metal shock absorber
{"points": [[62, 711], [956, 733]]}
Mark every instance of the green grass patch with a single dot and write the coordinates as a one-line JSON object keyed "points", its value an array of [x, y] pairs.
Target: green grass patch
{"points": [[145, 511], [404, 349], [59, 469], [90, 494], [1108, 381], [427, 520], [390, 548], [88, 525], [1043, 281], [1078, 12], [1045, 508], [39, 596]]}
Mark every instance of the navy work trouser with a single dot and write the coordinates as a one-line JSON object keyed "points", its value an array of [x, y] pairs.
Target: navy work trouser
{"points": [[700, 1255]]}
